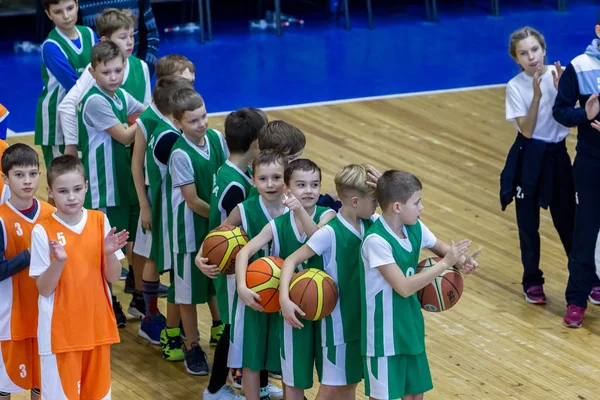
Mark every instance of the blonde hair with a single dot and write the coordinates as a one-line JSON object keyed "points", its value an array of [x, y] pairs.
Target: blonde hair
{"points": [[173, 64], [353, 178], [113, 19], [521, 34], [185, 100]]}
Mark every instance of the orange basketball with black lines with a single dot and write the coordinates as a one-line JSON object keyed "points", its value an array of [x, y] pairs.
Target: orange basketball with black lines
{"points": [[222, 245], [262, 276], [444, 292], [315, 292]]}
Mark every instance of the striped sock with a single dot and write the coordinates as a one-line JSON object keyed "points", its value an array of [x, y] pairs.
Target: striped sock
{"points": [[151, 297]]}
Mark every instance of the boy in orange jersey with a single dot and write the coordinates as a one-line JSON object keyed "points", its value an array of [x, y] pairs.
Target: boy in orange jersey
{"points": [[19, 360], [74, 252]]}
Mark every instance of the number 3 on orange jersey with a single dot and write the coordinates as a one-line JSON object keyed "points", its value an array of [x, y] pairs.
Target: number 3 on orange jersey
{"points": [[18, 229], [23, 370]]}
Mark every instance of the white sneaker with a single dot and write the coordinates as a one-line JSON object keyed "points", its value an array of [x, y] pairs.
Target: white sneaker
{"points": [[225, 393], [275, 376], [275, 392]]}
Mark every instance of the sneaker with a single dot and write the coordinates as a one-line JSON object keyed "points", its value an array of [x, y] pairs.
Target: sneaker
{"points": [[215, 334], [195, 360], [235, 376], [119, 315], [129, 282], [594, 296], [275, 392], [162, 291], [225, 393], [574, 316], [151, 328], [275, 375], [171, 345], [137, 307], [535, 295], [124, 273], [264, 394]]}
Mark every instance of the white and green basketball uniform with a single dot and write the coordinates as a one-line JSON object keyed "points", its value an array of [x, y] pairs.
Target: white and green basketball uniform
{"points": [[108, 163], [228, 176], [254, 335], [47, 130], [339, 360], [190, 164], [393, 330], [136, 80], [148, 120], [156, 174], [298, 346]]}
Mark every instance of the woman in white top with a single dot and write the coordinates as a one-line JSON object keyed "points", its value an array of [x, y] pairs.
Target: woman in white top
{"points": [[538, 171]]}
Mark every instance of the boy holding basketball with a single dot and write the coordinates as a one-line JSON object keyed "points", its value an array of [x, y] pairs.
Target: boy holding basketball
{"points": [[397, 367], [74, 252], [338, 245], [195, 158], [19, 356]]}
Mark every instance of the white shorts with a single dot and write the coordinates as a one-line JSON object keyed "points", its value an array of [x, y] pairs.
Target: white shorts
{"points": [[143, 241]]}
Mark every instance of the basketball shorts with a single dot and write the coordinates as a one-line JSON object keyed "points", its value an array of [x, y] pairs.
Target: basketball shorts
{"points": [[51, 152], [124, 217], [254, 340], [225, 287], [19, 365], [190, 285], [77, 375], [396, 376], [340, 365], [143, 241], [299, 348]]}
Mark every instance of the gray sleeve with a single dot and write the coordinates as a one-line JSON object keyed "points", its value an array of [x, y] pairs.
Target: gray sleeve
{"points": [[99, 114], [133, 105], [180, 168]]}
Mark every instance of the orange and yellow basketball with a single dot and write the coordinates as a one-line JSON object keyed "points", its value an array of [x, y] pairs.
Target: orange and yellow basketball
{"points": [[262, 276], [222, 245], [315, 292], [444, 292]]}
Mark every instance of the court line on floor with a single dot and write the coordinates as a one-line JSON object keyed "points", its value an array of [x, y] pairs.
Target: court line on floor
{"points": [[342, 101]]}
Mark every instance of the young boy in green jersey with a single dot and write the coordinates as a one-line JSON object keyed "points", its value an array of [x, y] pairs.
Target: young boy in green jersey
{"points": [[117, 26], [149, 184], [397, 367], [65, 54], [104, 141], [232, 186], [333, 344], [282, 235], [195, 158]]}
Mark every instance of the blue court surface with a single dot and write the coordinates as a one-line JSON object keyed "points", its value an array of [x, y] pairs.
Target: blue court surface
{"points": [[321, 61]]}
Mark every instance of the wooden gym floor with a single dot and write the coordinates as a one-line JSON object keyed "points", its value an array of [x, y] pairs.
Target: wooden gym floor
{"points": [[492, 345]]}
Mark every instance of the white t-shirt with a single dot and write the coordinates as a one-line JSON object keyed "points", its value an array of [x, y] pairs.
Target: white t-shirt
{"points": [[519, 94], [40, 247]]}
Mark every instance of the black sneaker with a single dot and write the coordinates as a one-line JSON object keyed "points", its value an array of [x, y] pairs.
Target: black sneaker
{"points": [[129, 282], [195, 360], [137, 307], [119, 315]]}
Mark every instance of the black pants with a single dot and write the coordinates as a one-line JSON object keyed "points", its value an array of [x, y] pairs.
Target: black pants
{"points": [[562, 210], [582, 266]]}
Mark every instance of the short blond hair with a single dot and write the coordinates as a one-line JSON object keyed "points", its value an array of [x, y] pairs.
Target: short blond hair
{"points": [[173, 64], [113, 19], [353, 179]]}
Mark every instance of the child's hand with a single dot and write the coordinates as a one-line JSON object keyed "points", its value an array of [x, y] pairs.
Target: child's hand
{"points": [[57, 251], [115, 241], [470, 264], [211, 271], [291, 201], [596, 125], [249, 298], [333, 194], [146, 218], [373, 176], [457, 250], [592, 107], [537, 79], [557, 74], [289, 310]]}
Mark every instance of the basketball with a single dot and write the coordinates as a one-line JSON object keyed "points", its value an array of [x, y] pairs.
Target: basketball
{"points": [[314, 292], [222, 245], [132, 118], [444, 292], [262, 277]]}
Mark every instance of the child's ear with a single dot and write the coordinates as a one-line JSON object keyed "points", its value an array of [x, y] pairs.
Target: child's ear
{"points": [[86, 186], [5, 178], [598, 31], [103, 38], [178, 124], [49, 192]]}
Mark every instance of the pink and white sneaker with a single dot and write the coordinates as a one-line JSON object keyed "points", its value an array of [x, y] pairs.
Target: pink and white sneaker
{"points": [[594, 296], [574, 316], [535, 295]]}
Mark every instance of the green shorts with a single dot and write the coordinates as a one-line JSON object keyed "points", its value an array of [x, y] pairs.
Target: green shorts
{"points": [[340, 365], [254, 340], [226, 287], [396, 376], [190, 285], [51, 152], [299, 351], [124, 217]]}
